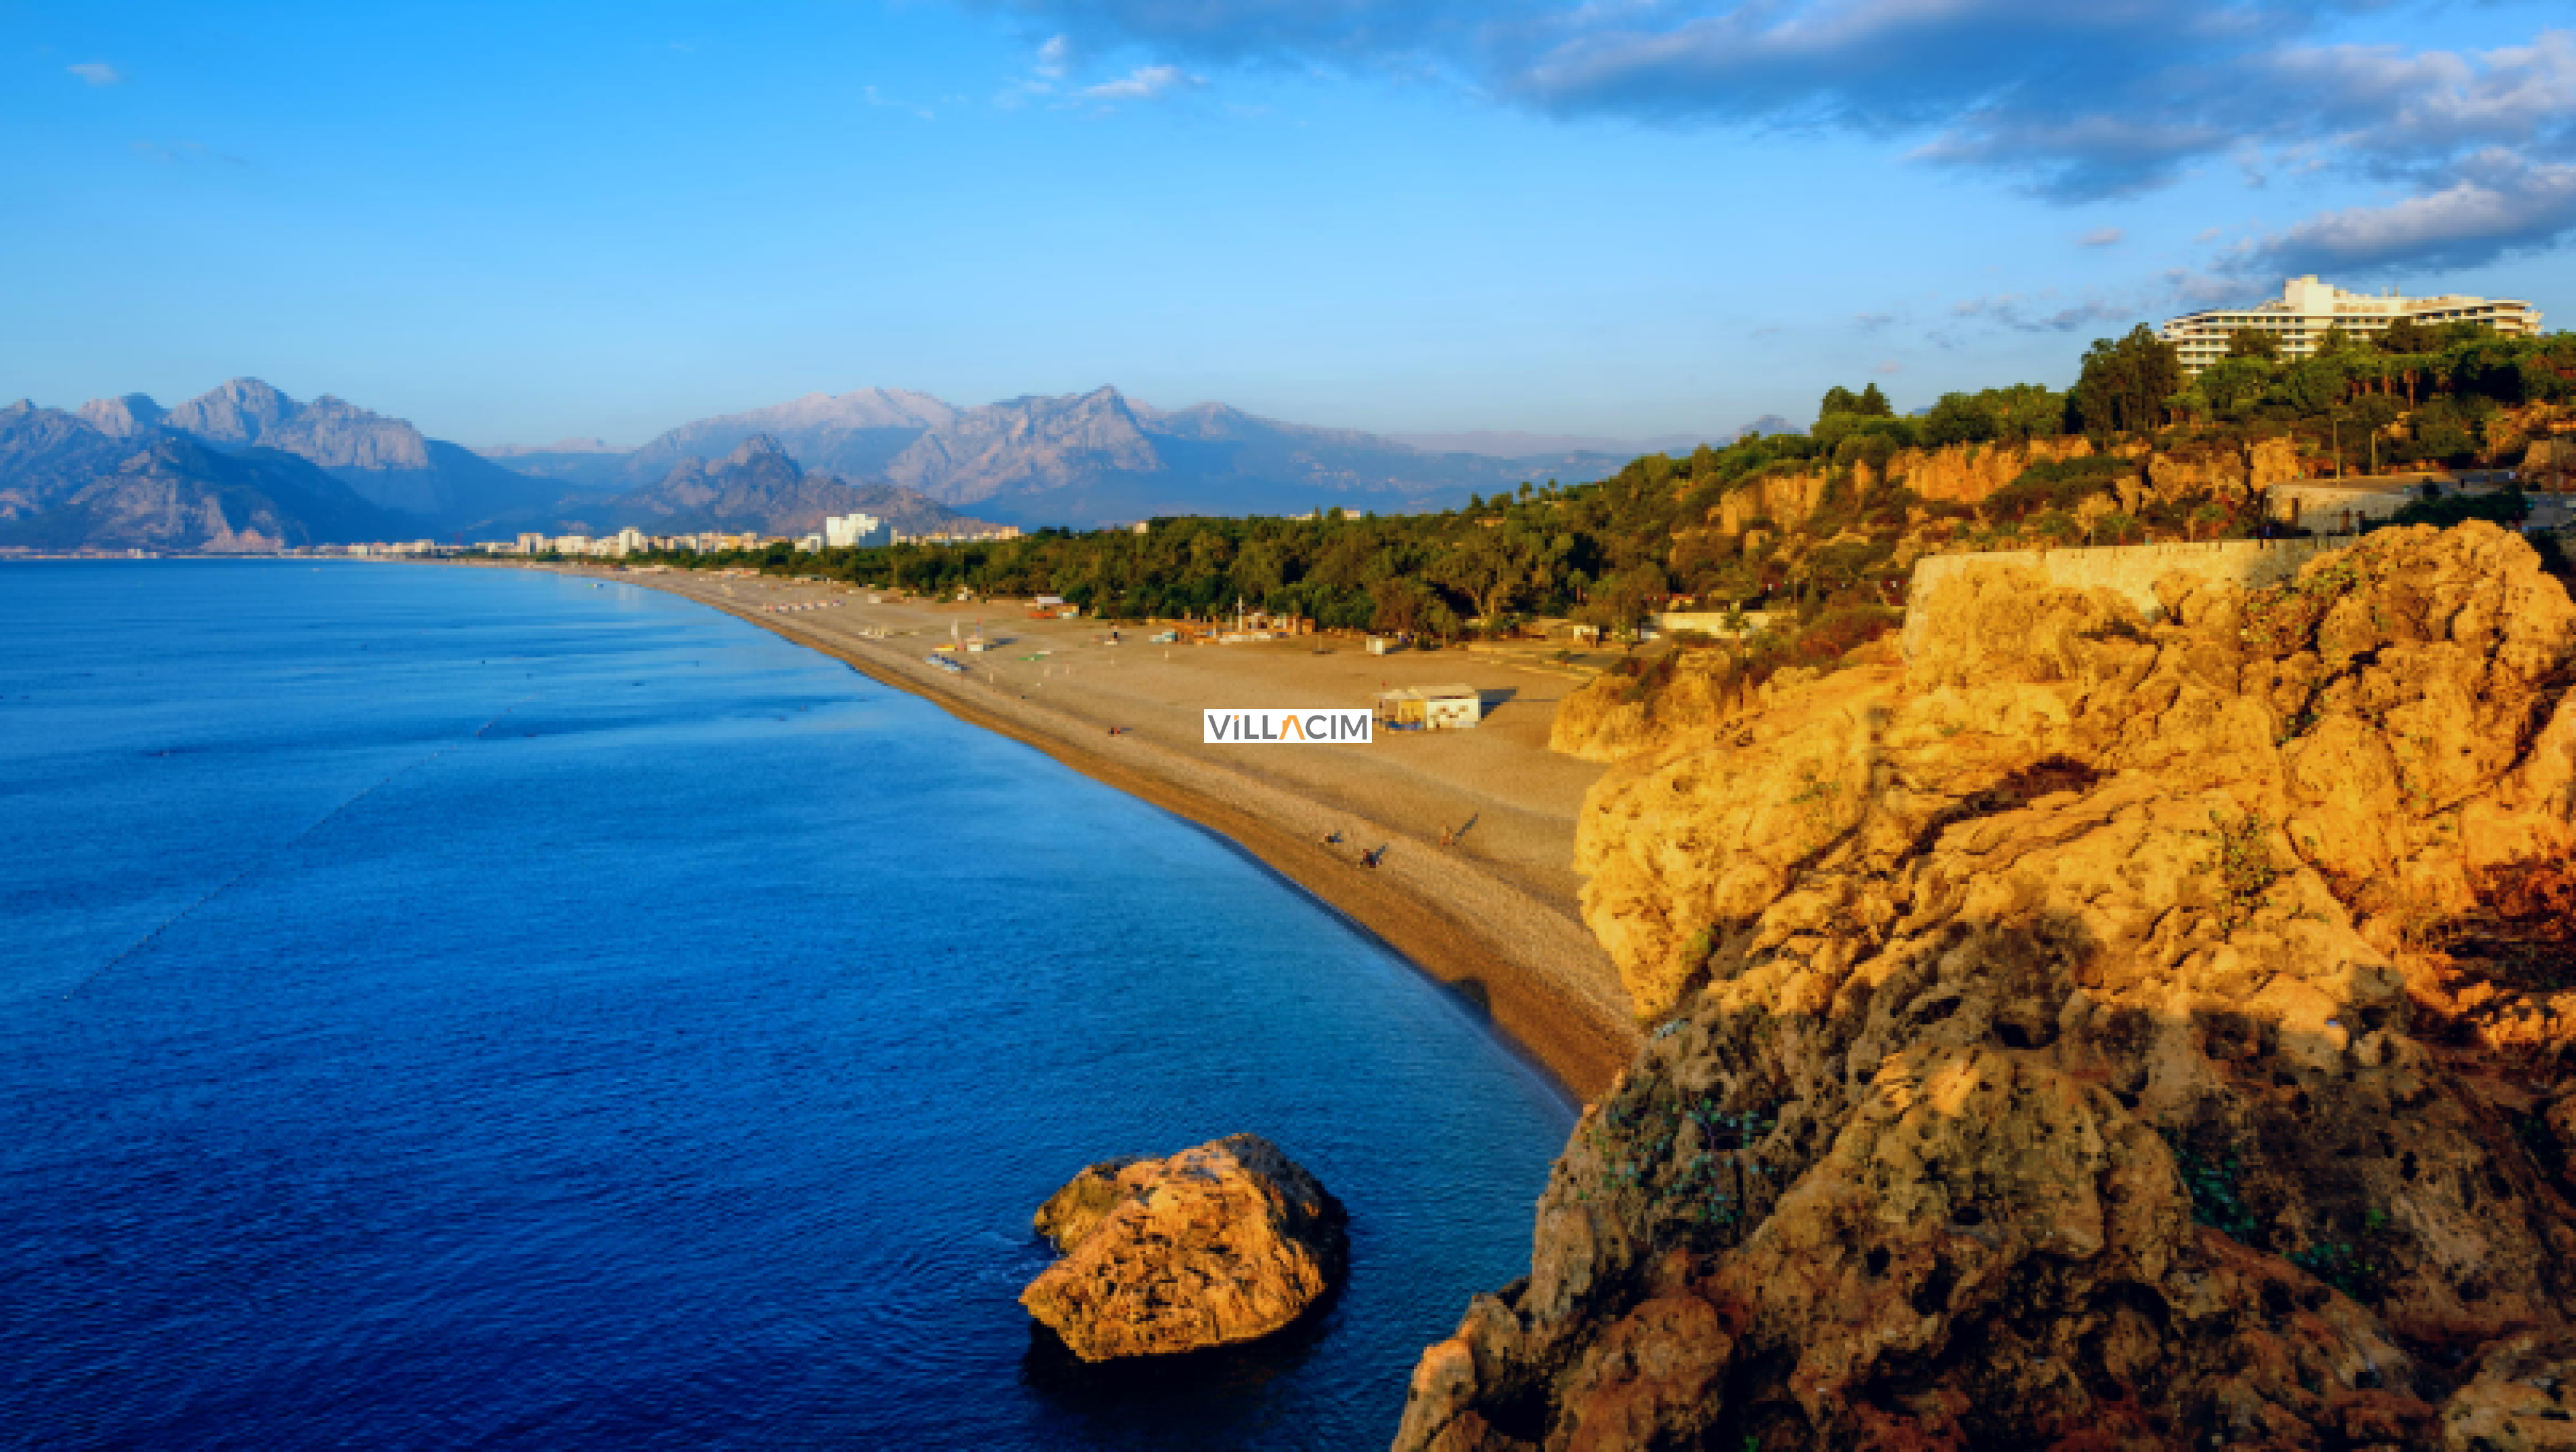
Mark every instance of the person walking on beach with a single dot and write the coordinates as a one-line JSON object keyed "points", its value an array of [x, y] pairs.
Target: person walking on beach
{"points": [[1372, 859]]}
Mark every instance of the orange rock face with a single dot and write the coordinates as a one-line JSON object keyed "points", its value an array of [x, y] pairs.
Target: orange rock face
{"points": [[1223, 1243], [2088, 1034]]}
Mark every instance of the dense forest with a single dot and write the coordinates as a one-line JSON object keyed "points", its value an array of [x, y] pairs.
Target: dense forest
{"points": [[1609, 552]]}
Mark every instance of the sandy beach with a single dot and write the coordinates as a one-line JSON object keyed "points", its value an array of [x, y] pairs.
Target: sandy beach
{"points": [[1492, 916]]}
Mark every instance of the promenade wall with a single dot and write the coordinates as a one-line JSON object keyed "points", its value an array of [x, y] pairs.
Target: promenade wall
{"points": [[2131, 571]]}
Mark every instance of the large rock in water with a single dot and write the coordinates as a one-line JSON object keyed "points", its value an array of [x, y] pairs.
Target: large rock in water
{"points": [[2092, 1034], [1218, 1244]]}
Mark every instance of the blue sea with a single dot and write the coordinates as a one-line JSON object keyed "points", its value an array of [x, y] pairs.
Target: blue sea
{"points": [[448, 1008]]}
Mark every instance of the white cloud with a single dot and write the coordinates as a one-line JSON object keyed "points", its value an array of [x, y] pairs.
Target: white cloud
{"points": [[1055, 57], [2035, 313], [1889, 368], [2077, 102], [2394, 104], [2503, 205], [2101, 237], [96, 73], [1145, 83]]}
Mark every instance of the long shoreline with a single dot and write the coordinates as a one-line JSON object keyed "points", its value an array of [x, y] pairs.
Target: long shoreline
{"points": [[1433, 919]]}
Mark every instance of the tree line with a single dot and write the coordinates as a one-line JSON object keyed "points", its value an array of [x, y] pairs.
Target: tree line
{"points": [[1611, 551]]}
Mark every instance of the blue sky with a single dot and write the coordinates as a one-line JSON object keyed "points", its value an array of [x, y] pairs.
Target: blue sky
{"points": [[512, 223]]}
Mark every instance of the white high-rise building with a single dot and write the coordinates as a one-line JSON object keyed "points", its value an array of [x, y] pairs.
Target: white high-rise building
{"points": [[856, 531], [2306, 308]]}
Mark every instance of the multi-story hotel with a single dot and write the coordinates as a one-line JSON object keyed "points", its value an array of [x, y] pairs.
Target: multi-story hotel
{"points": [[2306, 308], [865, 531]]}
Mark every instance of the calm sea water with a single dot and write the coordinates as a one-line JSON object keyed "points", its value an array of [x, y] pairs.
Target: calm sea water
{"points": [[446, 1008]]}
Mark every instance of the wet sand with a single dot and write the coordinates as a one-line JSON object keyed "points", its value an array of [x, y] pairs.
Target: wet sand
{"points": [[1494, 916]]}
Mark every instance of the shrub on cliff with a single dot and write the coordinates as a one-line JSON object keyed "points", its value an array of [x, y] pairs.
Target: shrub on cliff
{"points": [[2060, 485]]}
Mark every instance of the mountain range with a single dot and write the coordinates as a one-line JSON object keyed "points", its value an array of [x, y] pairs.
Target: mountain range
{"points": [[246, 467], [759, 487], [1092, 458], [243, 467]]}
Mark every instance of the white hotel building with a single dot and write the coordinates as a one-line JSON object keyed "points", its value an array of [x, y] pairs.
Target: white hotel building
{"points": [[863, 531], [2306, 308]]}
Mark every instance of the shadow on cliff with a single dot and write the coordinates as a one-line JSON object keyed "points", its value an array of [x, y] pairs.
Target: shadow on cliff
{"points": [[2003, 1194]]}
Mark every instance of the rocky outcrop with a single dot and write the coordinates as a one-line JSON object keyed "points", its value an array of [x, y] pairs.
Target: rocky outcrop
{"points": [[2522, 1398], [1958, 474], [1219, 1244], [1970, 473], [2090, 1034], [2225, 470], [1617, 714], [1974, 473]]}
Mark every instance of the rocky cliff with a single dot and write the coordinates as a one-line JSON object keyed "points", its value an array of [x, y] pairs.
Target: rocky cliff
{"points": [[1974, 473], [2087, 1034]]}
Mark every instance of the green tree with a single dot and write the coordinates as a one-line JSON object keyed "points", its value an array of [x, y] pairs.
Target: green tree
{"points": [[2406, 336], [2125, 383], [1402, 606], [1621, 603], [1958, 418], [2311, 385], [1493, 568], [2254, 343], [2233, 384], [2441, 432]]}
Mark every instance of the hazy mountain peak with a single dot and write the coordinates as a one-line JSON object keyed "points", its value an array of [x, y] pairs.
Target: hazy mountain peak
{"points": [[236, 411], [853, 433], [755, 448], [123, 416]]}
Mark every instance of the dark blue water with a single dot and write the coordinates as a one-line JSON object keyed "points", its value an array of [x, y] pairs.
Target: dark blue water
{"points": [[447, 1008]]}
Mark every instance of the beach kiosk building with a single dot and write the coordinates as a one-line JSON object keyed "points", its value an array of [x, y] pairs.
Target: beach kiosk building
{"points": [[1431, 708]]}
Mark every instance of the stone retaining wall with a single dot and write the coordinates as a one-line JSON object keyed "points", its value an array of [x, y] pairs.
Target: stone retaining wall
{"points": [[2129, 570]]}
